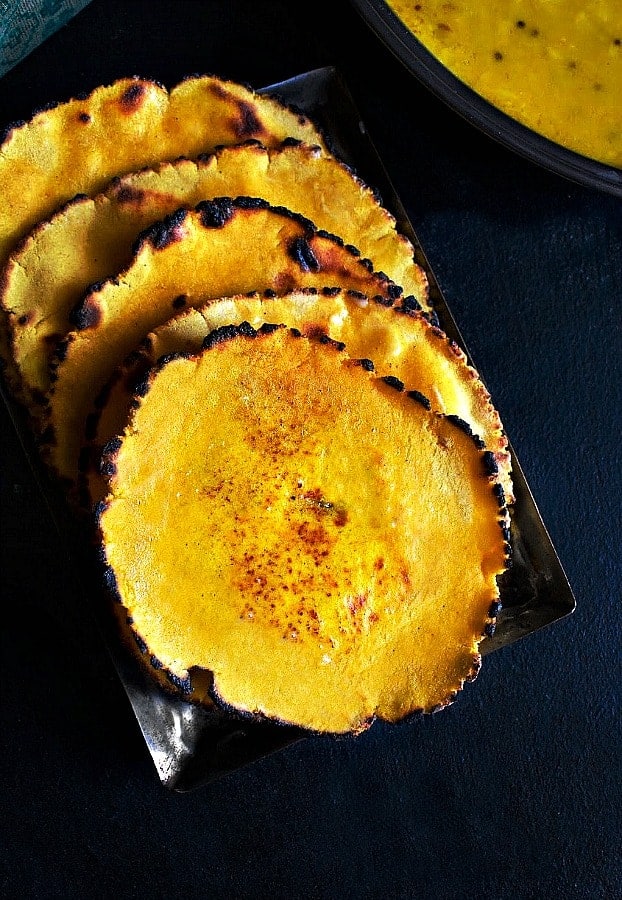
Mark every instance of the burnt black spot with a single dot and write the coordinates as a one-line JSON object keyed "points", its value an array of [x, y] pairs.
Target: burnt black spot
{"points": [[142, 646], [219, 336], [77, 198], [409, 304], [216, 213], [352, 249], [466, 428], [166, 232], [507, 546], [269, 294], [111, 447], [247, 123], [302, 253], [383, 301], [495, 609], [132, 97], [291, 142], [269, 328], [520, 24], [107, 468], [141, 384], [111, 582], [155, 663], [84, 117], [419, 398], [331, 342], [498, 55], [489, 629], [46, 107], [335, 291], [251, 203], [499, 493], [491, 466], [247, 330], [127, 194], [321, 232], [295, 332], [24, 319], [366, 364], [87, 314], [393, 382], [98, 510], [179, 302], [182, 684]]}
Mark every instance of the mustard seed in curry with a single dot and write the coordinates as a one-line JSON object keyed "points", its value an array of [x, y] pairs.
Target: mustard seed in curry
{"points": [[554, 67]]}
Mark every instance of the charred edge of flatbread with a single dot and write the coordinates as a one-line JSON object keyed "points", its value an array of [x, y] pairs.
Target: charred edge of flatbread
{"points": [[120, 190], [7, 314], [137, 85], [133, 371], [501, 449], [141, 360], [215, 214], [183, 685]]}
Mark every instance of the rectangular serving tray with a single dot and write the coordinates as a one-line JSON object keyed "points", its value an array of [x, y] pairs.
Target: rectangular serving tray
{"points": [[189, 745]]}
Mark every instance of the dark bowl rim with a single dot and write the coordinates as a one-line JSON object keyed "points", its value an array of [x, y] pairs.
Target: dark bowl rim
{"points": [[463, 100]]}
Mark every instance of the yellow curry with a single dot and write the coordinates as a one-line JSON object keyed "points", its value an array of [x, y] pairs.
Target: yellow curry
{"points": [[554, 65]]}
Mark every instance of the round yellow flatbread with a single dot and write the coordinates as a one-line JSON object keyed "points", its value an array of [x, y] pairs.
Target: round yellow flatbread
{"points": [[315, 538]]}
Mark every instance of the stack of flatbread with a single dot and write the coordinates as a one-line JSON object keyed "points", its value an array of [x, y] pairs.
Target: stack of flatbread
{"points": [[227, 351]]}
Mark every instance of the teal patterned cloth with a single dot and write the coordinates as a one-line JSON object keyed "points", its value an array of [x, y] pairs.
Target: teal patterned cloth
{"points": [[24, 24]]}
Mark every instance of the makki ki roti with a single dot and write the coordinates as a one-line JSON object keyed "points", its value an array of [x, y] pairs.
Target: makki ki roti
{"points": [[399, 340], [79, 145], [245, 478], [223, 247], [90, 239]]}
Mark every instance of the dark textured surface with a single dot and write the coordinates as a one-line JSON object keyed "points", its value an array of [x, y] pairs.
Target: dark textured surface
{"points": [[514, 792]]}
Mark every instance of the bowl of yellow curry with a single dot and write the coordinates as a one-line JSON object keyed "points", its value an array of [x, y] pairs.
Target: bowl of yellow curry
{"points": [[544, 77]]}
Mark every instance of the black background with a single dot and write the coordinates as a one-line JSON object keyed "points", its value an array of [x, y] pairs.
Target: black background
{"points": [[515, 790]]}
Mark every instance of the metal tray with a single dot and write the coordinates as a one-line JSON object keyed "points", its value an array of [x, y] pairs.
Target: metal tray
{"points": [[189, 745], [478, 111]]}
